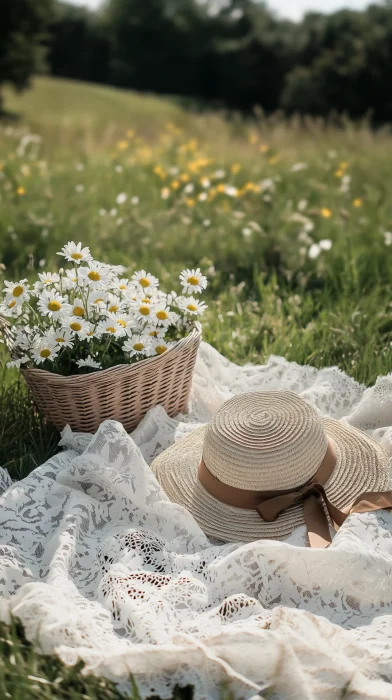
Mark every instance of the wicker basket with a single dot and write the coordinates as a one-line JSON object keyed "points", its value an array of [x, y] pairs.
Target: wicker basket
{"points": [[124, 393]]}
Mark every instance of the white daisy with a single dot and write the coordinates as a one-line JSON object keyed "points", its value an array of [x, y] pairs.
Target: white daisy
{"points": [[62, 337], [16, 291], [11, 308], [48, 278], [117, 269], [160, 346], [22, 338], [45, 350], [162, 316], [193, 281], [89, 362], [18, 362], [142, 309], [138, 344], [122, 321], [155, 332], [70, 280], [76, 253], [123, 286], [52, 304], [192, 306], [95, 275], [109, 326], [114, 304], [78, 308], [144, 280], [77, 326], [97, 301]]}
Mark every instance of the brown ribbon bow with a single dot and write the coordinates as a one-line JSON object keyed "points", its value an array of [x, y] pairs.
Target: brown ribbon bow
{"points": [[270, 505], [313, 497]]}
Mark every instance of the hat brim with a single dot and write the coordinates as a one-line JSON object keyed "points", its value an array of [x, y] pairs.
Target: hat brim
{"points": [[361, 465]]}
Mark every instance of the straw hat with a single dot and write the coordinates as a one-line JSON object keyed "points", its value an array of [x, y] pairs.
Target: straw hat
{"points": [[264, 443]]}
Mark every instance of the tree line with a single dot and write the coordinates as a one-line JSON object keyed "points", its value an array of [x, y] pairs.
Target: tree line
{"points": [[233, 53]]}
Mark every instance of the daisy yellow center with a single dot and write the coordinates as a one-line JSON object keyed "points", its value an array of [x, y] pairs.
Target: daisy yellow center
{"points": [[122, 323], [60, 340], [12, 304], [18, 290], [98, 301], [144, 282], [76, 256], [76, 326], [146, 301], [123, 286], [48, 281], [110, 329], [160, 349], [78, 311], [45, 353], [162, 315], [90, 333], [113, 308], [54, 306], [138, 347], [193, 280], [191, 307], [144, 310], [94, 276], [154, 334]]}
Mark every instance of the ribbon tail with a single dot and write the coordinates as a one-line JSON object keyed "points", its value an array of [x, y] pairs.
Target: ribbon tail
{"points": [[372, 501], [316, 522]]}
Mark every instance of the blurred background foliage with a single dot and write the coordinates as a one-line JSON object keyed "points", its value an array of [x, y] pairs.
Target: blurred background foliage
{"points": [[235, 54]]}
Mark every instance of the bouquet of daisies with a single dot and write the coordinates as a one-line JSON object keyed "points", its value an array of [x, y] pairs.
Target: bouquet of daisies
{"points": [[92, 317]]}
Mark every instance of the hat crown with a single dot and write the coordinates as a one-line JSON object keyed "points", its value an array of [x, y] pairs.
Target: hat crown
{"points": [[265, 441]]}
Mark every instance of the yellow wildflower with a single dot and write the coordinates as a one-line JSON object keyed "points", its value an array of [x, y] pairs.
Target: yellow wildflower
{"points": [[264, 148], [235, 168], [357, 202], [221, 188], [273, 160], [175, 185], [339, 173], [21, 191], [343, 165], [326, 213], [122, 145], [190, 202], [253, 138], [130, 133]]}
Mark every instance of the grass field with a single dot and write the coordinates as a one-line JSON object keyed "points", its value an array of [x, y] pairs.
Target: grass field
{"points": [[247, 202]]}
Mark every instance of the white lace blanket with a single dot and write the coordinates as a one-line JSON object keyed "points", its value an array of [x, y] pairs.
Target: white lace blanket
{"points": [[100, 566]]}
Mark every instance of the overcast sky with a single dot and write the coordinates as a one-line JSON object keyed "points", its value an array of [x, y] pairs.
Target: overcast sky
{"points": [[294, 9]]}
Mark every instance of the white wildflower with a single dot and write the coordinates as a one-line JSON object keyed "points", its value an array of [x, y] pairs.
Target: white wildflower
{"points": [[191, 306], [121, 198], [89, 362], [75, 253], [193, 281], [139, 345]]}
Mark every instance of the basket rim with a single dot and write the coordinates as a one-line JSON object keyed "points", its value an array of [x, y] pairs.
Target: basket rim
{"points": [[195, 334]]}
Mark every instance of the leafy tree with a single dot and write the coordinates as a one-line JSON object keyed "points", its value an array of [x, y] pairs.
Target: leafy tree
{"points": [[23, 25], [79, 45]]}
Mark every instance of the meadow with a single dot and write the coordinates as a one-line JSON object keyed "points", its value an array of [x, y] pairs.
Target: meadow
{"points": [[290, 221]]}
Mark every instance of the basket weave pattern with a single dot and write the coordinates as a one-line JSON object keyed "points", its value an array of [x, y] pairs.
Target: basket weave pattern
{"points": [[124, 393]]}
